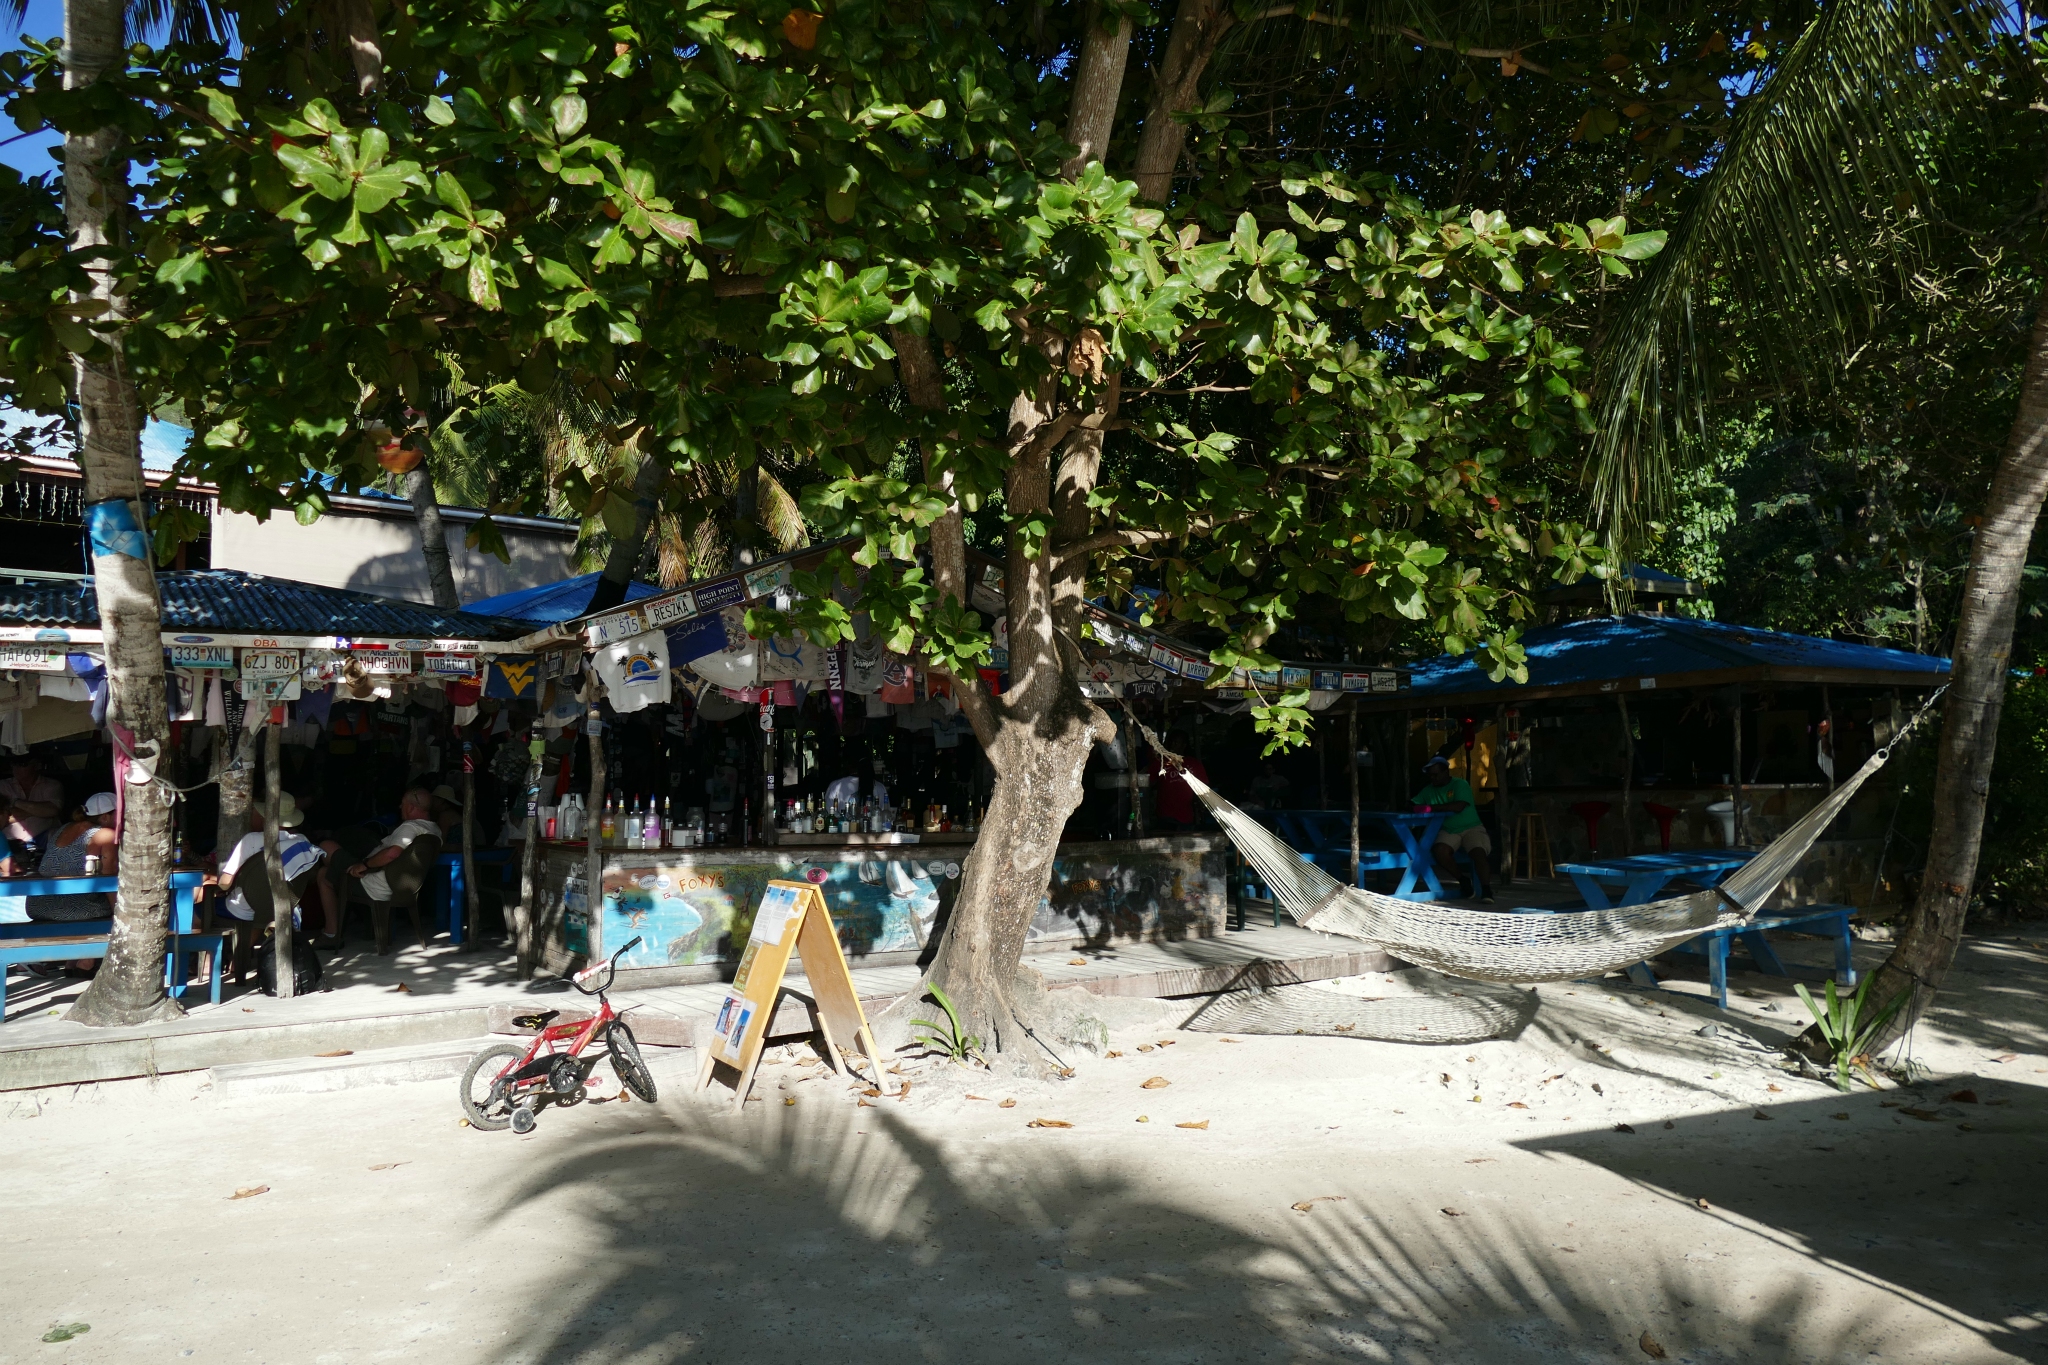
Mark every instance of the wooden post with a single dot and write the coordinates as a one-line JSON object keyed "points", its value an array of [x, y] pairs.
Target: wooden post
{"points": [[1137, 824], [1322, 770], [1736, 795], [1354, 792], [525, 919], [1827, 719], [1503, 817], [468, 907], [593, 839], [280, 889], [1628, 772]]}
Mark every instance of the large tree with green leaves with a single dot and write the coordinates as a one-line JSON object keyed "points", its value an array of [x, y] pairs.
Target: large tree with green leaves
{"points": [[889, 251]]}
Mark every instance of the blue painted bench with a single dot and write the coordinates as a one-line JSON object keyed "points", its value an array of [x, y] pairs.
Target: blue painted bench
{"points": [[68, 942], [1828, 921], [26, 943]]}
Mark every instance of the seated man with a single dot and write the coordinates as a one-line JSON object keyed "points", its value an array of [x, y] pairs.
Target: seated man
{"points": [[31, 804], [1462, 830], [299, 856], [359, 876]]}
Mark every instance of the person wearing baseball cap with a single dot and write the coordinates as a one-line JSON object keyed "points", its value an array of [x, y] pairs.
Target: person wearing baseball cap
{"points": [[1461, 830], [84, 847]]}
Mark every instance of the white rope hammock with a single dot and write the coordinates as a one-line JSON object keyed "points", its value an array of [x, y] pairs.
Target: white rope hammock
{"points": [[1485, 945]]}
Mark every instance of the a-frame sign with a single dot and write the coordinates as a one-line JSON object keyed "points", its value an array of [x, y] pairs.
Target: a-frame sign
{"points": [[791, 919]]}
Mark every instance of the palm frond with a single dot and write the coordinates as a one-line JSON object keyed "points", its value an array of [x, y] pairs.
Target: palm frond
{"points": [[1847, 125]]}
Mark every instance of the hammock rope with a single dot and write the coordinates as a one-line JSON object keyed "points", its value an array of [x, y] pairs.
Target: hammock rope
{"points": [[1529, 945]]}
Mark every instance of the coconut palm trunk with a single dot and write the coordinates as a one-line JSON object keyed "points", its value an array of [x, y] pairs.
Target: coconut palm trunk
{"points": [[129, 988]]}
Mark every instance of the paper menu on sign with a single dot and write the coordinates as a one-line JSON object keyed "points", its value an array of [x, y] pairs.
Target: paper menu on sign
{"points": [[746, 968], [771, 921], [729, 1027]]}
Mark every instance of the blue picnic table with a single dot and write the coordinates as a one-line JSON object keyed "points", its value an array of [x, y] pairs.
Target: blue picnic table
{"points": [[26, 942], [1643, 877], [1325, 836]]}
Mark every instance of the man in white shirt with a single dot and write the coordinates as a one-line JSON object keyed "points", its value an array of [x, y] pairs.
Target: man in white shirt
{"points": [[32, 805], [299, 856], [415, 813]]}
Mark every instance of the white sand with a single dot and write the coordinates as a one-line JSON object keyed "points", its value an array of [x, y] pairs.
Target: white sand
{"points": [[1452, 1224]]}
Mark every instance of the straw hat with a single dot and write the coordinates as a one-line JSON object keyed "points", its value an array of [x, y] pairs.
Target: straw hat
{"points": [[289, 816]]}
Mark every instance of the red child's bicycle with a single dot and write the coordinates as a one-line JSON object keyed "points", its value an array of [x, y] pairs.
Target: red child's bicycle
{"points": [[506, 1085]]}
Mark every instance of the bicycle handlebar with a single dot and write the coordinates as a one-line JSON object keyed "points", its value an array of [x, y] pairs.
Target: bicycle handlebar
{"points": [[610, 967]]}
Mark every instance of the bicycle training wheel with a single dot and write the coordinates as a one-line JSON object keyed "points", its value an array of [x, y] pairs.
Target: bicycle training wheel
{"points": [[633, 1073], [485, 1100]]}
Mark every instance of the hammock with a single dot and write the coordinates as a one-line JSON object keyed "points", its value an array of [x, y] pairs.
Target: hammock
{"points": [[1531, 945]]}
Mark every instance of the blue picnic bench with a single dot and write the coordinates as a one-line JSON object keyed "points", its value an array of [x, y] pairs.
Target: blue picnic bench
{"points": [[1828, 921], [67, 942], [1323, 837]]}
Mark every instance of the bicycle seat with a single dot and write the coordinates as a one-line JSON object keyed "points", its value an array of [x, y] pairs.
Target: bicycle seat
{"points": [[535, 1021]]}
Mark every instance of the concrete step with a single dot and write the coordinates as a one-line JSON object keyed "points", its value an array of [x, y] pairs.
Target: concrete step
{"points": [[377, 1066]]}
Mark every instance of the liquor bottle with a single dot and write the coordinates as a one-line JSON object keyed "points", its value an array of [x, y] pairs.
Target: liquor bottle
{"points": [[650, 831], [607, 824]]}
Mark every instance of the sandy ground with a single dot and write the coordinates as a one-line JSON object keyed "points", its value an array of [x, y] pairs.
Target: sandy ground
{"points": [[1469, 1203]]}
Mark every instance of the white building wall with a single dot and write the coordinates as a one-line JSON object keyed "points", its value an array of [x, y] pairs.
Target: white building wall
{"points": [[379, 552]]}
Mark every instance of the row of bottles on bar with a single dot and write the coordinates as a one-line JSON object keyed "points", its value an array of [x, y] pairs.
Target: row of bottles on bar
{"points": [[812, 815], [631, 823]]}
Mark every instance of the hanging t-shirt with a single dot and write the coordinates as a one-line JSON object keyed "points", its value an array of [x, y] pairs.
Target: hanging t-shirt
{"points": [[635, 671], [292, 847]]}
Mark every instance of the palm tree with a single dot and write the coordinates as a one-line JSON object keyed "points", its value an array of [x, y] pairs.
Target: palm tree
{"points": [[1851, 122]]}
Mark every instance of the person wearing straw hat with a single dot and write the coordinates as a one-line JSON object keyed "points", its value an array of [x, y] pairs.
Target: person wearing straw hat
{"points": [[299, 855]]}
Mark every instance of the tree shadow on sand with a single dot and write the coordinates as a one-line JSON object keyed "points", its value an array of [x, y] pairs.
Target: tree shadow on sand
{"points": [[844, 1235]]}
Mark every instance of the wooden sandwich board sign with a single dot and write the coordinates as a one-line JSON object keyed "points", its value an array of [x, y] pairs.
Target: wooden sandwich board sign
{"points": [[791, 918]]}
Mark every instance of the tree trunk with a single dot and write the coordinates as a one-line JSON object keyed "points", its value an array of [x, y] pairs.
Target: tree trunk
{"points": [[281, 944], [625, 552], [1976, 695], [234, 772], [419, 486], [1098, 83], [1198, 26], [129, 988], [365, 47]]}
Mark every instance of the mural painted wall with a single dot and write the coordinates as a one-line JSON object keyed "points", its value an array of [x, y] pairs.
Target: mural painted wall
{"points": [[691, 910]]}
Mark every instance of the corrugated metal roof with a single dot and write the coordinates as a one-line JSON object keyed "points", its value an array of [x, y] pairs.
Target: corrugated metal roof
{"points": [[552, 602], [1626, 649], [229, 601]]}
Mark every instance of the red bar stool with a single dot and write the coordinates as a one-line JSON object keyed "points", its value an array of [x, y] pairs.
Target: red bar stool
{"points": [[1590, 812], [1663, 815]]}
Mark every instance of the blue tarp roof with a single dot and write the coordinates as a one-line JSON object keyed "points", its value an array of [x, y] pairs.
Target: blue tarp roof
{"points": [[552, 602], [230, 602], [1677, 651]]}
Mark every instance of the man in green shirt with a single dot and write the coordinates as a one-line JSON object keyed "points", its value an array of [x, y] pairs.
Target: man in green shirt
{"points": [[1462, 830]]}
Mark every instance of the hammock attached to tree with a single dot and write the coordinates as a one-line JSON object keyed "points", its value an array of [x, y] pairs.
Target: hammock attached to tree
{"points": [[1531, 945]]}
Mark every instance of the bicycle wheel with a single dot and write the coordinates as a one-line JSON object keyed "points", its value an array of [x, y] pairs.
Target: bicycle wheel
{"points": [[486, 1101], [633, 1073]]}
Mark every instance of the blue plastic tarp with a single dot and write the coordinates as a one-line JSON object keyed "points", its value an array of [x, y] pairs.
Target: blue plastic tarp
{"points": [[1638, 647], [552, 602]]}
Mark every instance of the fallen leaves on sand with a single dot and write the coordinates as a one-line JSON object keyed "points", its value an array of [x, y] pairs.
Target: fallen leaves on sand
{"points": [[1226, 1040], [873, 1092], [1669, 1124], [1108, 1055], [1516, 1104], [64, 1331], [1154, 1083], [1305, 1205], [863, 1105], [977, 1097], [1345, 1028], [249, 1192], [788, 1101], [1924, 1115], [1452, 1213], [338, 1052], [1204, 1124], [1077, 962], [1142, 1118], [1007, 1104], [1166, 1042], [1144, 1047], [1760, 1114], [1479, 1160], [904, 1093], [1775, 1088], [1623, 1128], [402, 989], [1048, 1123], [389, 1165], [1651, 1347], [1960, 1097], [1702, 1203], [2007, 1057]]}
